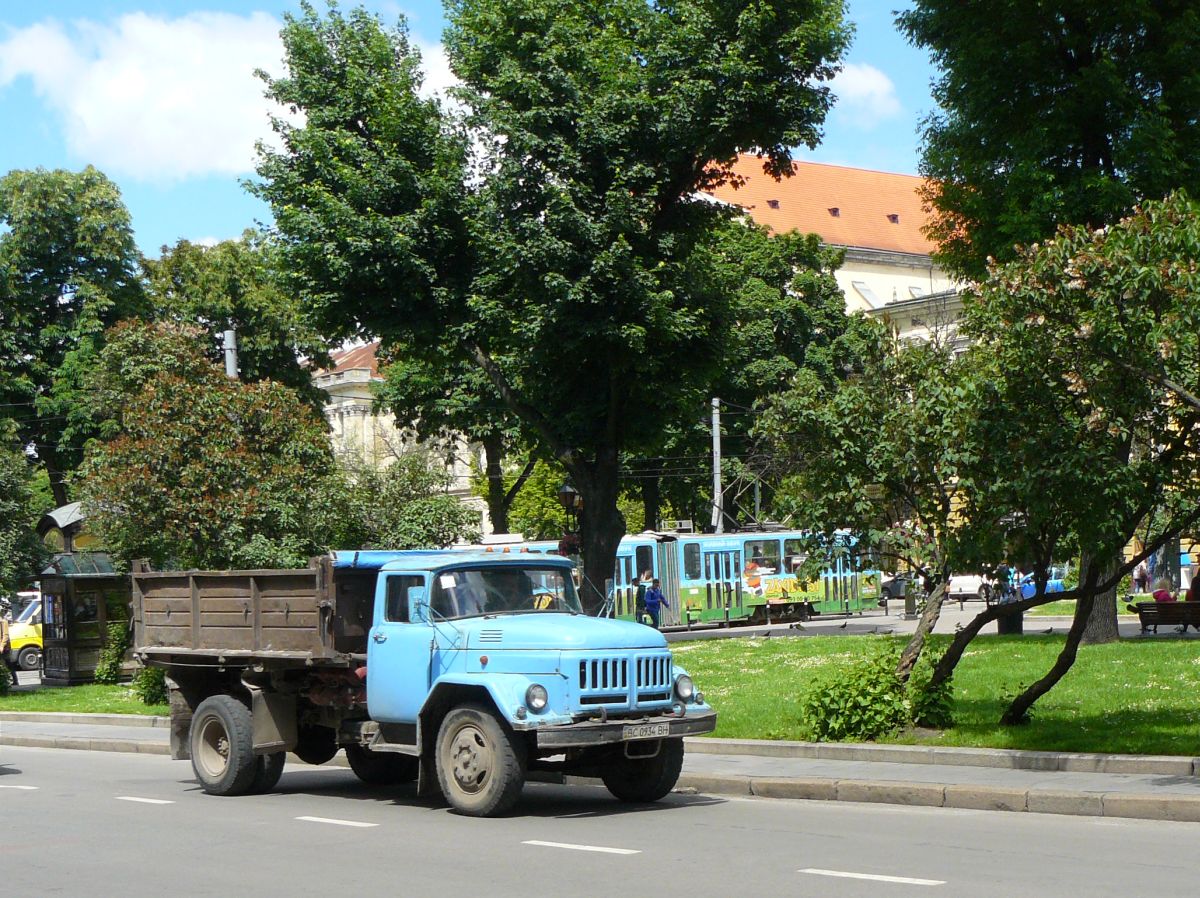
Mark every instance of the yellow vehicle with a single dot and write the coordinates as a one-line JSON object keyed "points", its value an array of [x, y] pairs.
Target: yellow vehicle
{"points": [[25, 637]]}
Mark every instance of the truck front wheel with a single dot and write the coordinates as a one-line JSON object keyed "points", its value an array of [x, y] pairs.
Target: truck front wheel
{"points": [[222, 744], [645, 779], [381, 768], [480, 763], [30, 658]]}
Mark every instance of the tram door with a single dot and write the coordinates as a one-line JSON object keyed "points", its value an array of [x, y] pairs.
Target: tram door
{"points": [[624, 588], [723, 584], [843, 591], [668, 573]]}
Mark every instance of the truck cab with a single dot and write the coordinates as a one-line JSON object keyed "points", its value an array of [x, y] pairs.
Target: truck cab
{"points": [[25, 635]]}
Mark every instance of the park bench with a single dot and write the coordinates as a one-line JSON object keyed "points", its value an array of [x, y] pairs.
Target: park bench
{"points": [[1153, 614]]}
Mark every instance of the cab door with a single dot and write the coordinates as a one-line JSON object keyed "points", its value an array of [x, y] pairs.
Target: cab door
{"points": [[399, 648]]}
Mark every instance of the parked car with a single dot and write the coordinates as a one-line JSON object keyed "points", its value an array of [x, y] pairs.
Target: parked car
{"points": [[896, 586], [969, 586], [1028, 587]]}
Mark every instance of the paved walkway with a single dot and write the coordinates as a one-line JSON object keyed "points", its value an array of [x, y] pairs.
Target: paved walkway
{"points": [[1165, 788]]}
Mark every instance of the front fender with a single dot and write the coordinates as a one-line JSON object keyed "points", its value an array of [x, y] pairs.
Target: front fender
{"points": [[507, 692]]}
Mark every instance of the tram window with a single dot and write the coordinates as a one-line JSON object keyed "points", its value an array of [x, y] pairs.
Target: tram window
{"points": [[691, 561], [794, 554], [763, 552], [645, 560]]}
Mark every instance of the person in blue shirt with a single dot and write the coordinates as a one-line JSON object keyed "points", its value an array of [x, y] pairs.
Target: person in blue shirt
{"points": [[655, 601]]}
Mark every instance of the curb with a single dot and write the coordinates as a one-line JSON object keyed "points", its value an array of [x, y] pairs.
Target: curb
{"points": [[115, 720], [1003, 758], [1179, 808]]}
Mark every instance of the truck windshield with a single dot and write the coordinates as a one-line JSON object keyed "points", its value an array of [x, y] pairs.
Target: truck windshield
{"points": [[29, 613], [503, 590]]}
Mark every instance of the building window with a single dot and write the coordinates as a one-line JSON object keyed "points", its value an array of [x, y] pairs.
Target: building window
{"points": [[866, 293]]}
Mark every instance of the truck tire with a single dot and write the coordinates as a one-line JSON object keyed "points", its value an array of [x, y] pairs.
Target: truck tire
{"points": [[268, 769], [315, 745], [480, 763], [30, 658], [222, 745], [381, 768], [645, 779]]}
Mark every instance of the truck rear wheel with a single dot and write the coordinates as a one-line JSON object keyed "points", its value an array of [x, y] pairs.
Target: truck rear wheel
{"points": [[480, 763], [645, 779], [222, 746], [381, 768]]}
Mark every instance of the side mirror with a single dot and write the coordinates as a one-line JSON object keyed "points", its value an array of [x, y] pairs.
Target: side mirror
{"points": [[418, 602]]}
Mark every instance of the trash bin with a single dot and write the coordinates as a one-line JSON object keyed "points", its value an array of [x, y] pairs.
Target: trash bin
{"points": [[1010, 623]]}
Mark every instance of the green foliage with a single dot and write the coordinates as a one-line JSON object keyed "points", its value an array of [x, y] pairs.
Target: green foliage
{"points": [[211, 473], [859, 701], [408, 506], [20, 550], [536, 512], [1053, 113], [237, 284], [67, 270], [112, 654], [150, 685], [578, 272], [930, 705]]}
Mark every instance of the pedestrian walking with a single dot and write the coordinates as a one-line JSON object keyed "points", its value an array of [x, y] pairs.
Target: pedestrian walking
{"points": [[655, 602], [1141, 576]]}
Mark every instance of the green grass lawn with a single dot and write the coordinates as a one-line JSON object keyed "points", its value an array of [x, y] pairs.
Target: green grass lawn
{"points": [[1067, 609], [1135, 697], [91, 699]]}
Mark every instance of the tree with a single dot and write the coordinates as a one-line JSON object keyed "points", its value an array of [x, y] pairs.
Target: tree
{"points": [[408, 506], [888, 455], [68, 269], [237, 284], [1052, 113], [1094, 340], [444, 397], [579, 272], [20, 549], [208, 472]]}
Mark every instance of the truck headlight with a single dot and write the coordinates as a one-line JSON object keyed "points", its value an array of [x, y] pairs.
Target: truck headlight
{"points": [[537, 698], [684, 688]]}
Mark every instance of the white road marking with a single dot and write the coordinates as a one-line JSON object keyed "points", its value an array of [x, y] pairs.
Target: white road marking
{"points": [[336, 822], [143, 800], [874, 877], [581, 847], [23, 788]]}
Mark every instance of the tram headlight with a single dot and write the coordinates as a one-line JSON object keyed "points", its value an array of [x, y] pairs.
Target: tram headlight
{"points": [[684, 688], [537, 698]]}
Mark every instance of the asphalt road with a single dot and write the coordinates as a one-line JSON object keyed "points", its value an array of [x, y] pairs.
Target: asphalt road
{"points": [[94, 823]]}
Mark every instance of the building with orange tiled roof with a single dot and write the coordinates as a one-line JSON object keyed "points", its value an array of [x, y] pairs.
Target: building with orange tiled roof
{"points": [[358, 431], [877, 217]]}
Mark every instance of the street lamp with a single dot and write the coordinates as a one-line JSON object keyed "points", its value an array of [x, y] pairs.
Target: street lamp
{"points": [[569, 499]]}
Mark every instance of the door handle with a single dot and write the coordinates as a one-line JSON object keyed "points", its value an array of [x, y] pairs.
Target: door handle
{"points": [[380, 637]]}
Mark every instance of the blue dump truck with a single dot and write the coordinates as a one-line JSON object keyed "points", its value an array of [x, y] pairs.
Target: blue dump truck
{"points": [[463, 672]]}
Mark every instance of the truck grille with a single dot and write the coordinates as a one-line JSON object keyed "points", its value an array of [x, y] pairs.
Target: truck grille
{"points": [[606, 681]]}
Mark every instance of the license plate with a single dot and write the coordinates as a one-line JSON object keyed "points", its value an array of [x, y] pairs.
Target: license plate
{"points": [[646, 731]]}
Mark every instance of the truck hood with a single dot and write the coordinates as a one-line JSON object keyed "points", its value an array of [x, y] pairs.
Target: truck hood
{"points": [[557, 631]]}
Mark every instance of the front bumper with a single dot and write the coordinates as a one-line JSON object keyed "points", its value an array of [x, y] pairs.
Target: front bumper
{"points": [[587, 733]]}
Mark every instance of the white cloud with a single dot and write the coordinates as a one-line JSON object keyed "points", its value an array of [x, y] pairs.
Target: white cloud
{"points": [[865, 94], [153, 98]]}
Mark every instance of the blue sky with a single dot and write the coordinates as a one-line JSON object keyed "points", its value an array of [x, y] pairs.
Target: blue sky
{"points": [[159, 95]]}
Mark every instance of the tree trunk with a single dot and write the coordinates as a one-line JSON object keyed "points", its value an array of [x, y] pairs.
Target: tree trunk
{"points": [[601, 525], [929, 619], [58, 480], [1101, 625], [651, 500], [1018, 711], [493, 454]]}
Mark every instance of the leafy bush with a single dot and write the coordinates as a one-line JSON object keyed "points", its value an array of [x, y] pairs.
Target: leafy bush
{"points": [[930, 707], [856, 702], [108, 669], [150, 685]]}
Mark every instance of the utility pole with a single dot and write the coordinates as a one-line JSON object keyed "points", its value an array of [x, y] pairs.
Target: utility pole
{"points": [[229, 348], [718, 514]]}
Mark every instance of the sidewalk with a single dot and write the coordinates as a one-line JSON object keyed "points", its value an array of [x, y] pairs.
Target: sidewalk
{"points": [[1149, 787]]}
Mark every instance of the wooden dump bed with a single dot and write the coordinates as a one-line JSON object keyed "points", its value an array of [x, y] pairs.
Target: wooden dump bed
{"points": [[300, 615]]}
